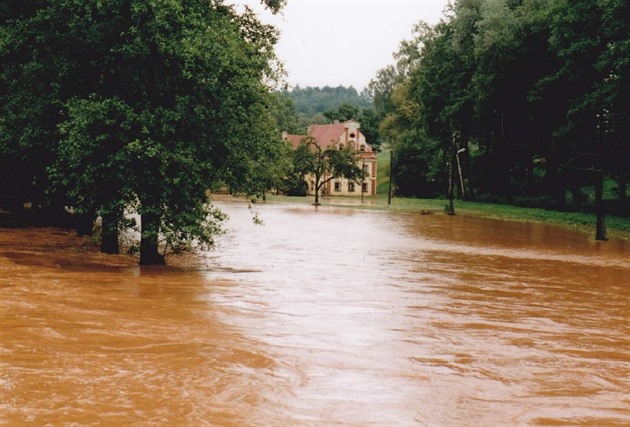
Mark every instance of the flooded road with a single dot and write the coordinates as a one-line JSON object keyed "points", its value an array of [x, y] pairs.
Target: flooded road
{"points": [[321, 318]]}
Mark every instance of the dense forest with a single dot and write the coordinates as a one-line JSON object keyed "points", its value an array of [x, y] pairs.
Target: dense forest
{"points": [[517, 101]]}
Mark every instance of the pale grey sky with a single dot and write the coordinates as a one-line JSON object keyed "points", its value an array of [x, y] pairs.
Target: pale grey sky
{"points": [[343, 42]]}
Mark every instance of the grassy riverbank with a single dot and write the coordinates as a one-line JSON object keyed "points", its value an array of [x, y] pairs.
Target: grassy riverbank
{"points": [[617, 226]]}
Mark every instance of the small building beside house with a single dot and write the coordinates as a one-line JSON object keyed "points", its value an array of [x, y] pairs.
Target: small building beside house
{"points": [[342, 135]]}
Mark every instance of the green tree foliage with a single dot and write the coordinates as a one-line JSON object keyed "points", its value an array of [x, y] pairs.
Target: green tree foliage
{"points": [[532, 94], [139, 104], [93, 162], [369, 127], [345, 111], [34, 51], [381, 89], [416, 162], [283, 112], [325, 164], [592, 43], [386, 90], [408, 56]]}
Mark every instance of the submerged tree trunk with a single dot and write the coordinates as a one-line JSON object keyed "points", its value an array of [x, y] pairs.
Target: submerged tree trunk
{"points": [[109, 235], [149, 254]]}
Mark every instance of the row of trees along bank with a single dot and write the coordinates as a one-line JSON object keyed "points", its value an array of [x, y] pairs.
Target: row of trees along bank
{"points": [[139, 105], [526, 99]]}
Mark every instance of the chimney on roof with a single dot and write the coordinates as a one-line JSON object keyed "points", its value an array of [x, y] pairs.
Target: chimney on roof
{"points": [[284, 134], [336, 122]]}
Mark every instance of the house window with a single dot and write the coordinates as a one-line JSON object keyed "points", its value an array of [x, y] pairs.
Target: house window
{"points": [[351, 187], [341, 146], [362, 147], [364, 187], [366, 170], [337, 186], [352, 135]]}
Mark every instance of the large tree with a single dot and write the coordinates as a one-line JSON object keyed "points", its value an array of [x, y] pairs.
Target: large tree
{"points": [[416, 157], [152, 102]]}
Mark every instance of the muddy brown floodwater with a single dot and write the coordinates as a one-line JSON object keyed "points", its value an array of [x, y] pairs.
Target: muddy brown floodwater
{"points": [[321, 318]]}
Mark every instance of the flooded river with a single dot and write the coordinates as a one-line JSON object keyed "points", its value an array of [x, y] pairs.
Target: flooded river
{"points": [[321, 318]]}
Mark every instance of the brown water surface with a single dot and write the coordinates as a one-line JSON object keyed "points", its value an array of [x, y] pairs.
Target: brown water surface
{"points": [[321, 318]]}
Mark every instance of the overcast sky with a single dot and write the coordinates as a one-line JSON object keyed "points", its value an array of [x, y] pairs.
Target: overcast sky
{"points": [[325, 42]]}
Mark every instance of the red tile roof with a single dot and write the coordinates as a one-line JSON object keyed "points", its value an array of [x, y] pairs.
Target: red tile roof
{"points": [[327, 135]]}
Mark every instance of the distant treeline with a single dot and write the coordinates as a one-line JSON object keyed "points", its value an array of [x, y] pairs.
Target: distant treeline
{"points": [[314, 100]]}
